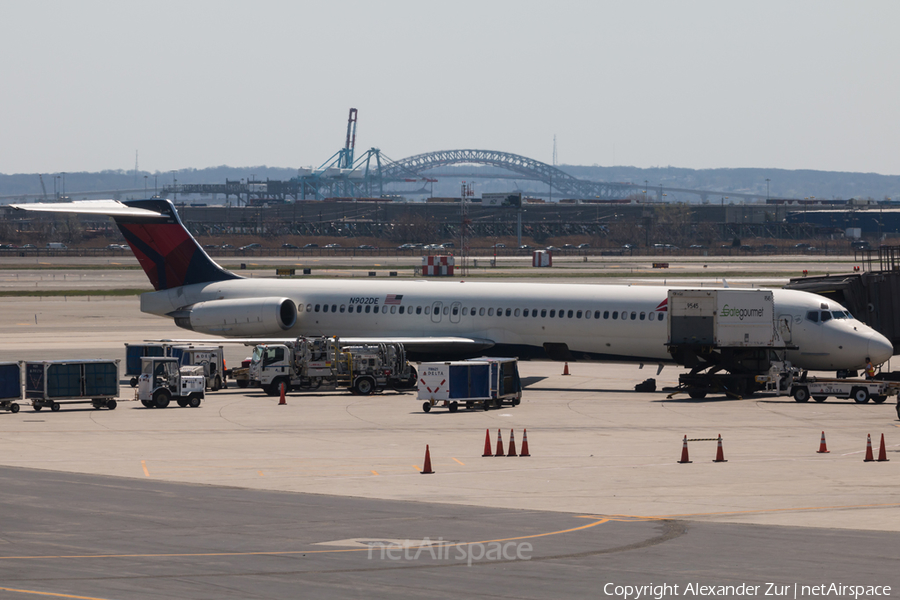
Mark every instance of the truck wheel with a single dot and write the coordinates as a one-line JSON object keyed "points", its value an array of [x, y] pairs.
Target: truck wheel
{"points": [[133, 382], [216, 384], [801, 394], [516, 401], [37, 407], [364, 386], [182, 402], [55, 407], [194, 401], [697, 394], [860, 395], [147, 403], [820, 398], [426, 406], [454, 406], [879, 399], [111, 404], [161, 398], [14, 408]]}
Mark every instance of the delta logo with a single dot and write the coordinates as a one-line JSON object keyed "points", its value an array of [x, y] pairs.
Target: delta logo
{"points": [[663, 306]]}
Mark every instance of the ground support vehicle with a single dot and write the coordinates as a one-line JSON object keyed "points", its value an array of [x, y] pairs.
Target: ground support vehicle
{"points": [[50, 383], [309, 363], [134, 353], [784, 380], [163, 379], [211, 358], [10, 386], [484, 383], [726, 337], [241, 375]]}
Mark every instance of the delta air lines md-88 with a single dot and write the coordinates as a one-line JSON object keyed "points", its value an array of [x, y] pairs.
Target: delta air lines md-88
{"points": [[437, 320]]}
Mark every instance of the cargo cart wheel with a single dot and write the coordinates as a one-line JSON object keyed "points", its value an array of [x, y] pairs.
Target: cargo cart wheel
{"points": [[860, 395], [454, 406], [37, 407], [517, 401], [14, 408], [801, 394], [486, 405], [111, 404], [194, 401], [697, 394], [364, 386], [182, 402], [133, 382], [879, 399], [820, 398], [147, 403], [54, 407], [161, 398], [426, 406]]}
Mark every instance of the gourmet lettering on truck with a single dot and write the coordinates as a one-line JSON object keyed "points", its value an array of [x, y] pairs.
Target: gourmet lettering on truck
{"points": [[745, 318]]}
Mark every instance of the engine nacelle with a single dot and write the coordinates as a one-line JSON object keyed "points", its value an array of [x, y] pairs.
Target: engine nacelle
{"points": [[252, 317]]}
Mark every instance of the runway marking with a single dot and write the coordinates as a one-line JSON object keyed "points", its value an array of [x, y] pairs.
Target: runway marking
{"points": [[260, 473], [374, 472], [459, 461], [743, 512], [144, 466], [49, 594], [599, 521]]}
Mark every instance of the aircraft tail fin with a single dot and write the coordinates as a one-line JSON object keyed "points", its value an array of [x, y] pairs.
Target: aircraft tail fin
{"points": [[165, 249]]}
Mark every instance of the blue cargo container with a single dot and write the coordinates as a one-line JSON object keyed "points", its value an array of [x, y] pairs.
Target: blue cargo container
{"points": [[10, 386], [481, 382], [51, 382], [134, 352]]}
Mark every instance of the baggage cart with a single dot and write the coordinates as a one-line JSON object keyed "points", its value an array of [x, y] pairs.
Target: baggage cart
{"points": [[10, 386], [50, 383]]}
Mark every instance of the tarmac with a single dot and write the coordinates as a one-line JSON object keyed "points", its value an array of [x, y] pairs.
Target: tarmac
{"points": [[600, 452]]}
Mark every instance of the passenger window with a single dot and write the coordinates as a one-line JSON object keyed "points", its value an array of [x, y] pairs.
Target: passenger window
{"points": [[578, 315], [615, 314], [359, 308], [309, 308], [299, 308], [473, 311], [499, 312], [334, 308], [662, 316], [427, 310], [606, 314], [596, 314], [324, 308], [343, 307], [401, 310], [570, 314], [508, 311], [317, 308], [651, 316], [368, 308], [384, 309], [393, 310], [552, 312], [465, 310], [490, 312], [642, 316], [481, 312], [544, 312], [826, 316], [517, 312], [525, 312], [419, 310], [633, 315], [447, 310], [813, 316], [562, 313]]}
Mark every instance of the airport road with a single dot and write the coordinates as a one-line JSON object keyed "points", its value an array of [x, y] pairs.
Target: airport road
{"points": [[104, 538]]}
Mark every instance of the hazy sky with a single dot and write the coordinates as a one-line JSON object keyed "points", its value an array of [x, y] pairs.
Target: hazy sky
{"points": [[794, 85]]}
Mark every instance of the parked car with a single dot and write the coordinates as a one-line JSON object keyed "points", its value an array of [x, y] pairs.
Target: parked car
{"points": [[583, 246], [287, 246], [307, 246], [209, 247], [227, 247], [366, 247], [332, 245]]}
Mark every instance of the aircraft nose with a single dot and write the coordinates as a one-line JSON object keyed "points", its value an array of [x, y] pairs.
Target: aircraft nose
{"points": [[880, 348]]}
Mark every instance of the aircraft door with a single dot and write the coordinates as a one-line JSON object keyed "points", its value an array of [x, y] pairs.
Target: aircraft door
{"points": [[455, 311], [784, 327], [436, 312]]}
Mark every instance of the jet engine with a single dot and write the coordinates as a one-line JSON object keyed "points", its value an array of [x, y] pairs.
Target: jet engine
{"points": [[239, 317]]}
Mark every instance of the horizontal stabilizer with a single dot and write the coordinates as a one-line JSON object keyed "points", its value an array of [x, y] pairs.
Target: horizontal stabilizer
{"points": [[111, 208]]}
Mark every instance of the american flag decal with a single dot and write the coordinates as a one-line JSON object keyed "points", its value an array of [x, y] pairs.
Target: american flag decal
{"points": [[393, 299]]}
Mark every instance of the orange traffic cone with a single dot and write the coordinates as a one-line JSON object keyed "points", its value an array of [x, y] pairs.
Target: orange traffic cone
{"points": [[566, 369], [426, 469], [487, 443], [882, 452], [499, 451], [869, 457], [512, 443], [684, 453], [720, 456], [822, 448], [281, 400], [524, 444]]}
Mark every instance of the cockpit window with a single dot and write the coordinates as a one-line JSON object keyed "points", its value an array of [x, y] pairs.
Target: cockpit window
{"points": [[839, 314], [813, 316], [826, 316]]}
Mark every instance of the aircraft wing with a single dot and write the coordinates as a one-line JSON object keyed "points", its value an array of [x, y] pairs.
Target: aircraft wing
{"points": [[111, 208], [427, 347]]}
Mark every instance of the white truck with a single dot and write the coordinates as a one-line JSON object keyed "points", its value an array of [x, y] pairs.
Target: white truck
{"points": [[211, 358], [163, 379], [784, 380], [311, 362]]}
